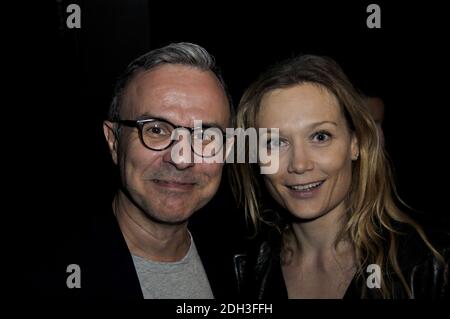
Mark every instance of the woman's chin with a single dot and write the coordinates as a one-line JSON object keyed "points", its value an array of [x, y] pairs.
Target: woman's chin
{"points": [[304, 215]]}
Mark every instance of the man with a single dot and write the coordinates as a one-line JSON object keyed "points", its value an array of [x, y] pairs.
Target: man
{"points": [[141, 246]]}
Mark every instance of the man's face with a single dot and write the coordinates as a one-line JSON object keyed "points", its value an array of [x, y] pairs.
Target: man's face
{"points": [[164, 189]]}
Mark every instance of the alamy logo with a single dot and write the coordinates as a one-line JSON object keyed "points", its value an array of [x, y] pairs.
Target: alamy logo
{"points": [[74, 279], [259, 145], [73, 20], [374, 19], [374, 279]]}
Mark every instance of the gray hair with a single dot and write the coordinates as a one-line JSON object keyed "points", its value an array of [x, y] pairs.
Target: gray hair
{"points": [[182, 53]]}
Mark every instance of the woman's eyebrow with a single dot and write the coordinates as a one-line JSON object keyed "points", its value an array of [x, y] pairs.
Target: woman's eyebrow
{"points": [[313, 125]]}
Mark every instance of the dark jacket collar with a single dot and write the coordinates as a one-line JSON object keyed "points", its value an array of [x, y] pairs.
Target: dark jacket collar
{"points": [[109, 265], [110, 270]]}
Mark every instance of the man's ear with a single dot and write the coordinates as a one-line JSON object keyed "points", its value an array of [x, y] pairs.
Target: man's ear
{"points": [[354, 147], [109, 129]]}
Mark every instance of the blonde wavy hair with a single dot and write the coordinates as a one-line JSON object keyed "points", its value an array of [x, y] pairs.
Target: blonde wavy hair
{"points": [[372, 202]]}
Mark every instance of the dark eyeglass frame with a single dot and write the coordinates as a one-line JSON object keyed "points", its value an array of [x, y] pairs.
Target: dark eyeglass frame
{"points": [[139, 124]]}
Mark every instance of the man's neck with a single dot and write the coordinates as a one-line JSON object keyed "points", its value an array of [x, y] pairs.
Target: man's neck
{"points": [[147, 238]]}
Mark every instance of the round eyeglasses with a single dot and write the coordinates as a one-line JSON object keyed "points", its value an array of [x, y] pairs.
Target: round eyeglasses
{"points": [[158, 135]]}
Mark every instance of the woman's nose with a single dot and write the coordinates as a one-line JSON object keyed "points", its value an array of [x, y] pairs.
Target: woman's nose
{"points": [[300, 160]]}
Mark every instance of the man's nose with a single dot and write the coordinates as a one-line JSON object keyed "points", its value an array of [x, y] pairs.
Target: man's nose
{"points": [[180, 153]]}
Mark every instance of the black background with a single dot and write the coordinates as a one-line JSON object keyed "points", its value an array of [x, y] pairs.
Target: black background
{"points": [[63, 80]]}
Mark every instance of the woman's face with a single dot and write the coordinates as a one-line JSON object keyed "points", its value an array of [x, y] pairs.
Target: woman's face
{"points": [[316, 150]]}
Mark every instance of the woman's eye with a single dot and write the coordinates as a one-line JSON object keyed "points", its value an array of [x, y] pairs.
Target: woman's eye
{"points": [[275, 143], [272, 144], [321, 136]]}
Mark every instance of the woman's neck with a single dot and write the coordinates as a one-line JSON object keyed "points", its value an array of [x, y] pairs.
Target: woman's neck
{"points": [[316, 239]]}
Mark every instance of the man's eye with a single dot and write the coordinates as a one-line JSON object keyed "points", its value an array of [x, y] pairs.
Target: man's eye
{"points": [[198, 134], [206, 136], [156, 130]]}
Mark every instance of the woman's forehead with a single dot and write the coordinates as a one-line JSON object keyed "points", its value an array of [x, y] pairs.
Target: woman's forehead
{"points": [[305, 103]]}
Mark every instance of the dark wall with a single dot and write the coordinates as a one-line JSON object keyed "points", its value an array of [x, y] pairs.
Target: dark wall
{"points": [[74, 71]]}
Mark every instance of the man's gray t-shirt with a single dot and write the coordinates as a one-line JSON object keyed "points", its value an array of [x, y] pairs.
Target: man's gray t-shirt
{"points": [[184, 279]]}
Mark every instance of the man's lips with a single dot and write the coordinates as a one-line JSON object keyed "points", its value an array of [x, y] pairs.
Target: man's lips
{"points": [[174, 184]]}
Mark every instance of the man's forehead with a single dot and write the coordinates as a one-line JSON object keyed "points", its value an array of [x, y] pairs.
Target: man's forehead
{"points": [[175, 74], [185, 95]]}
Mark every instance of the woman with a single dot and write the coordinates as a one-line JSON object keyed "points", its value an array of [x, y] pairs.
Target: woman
{"points": [[337, 231]]}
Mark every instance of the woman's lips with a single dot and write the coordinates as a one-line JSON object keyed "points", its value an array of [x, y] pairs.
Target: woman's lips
{"points": [[307, 190]]}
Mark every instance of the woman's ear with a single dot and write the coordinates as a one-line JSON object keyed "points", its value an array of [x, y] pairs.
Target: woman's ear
{"points": [[354, 147], [109, 129]]}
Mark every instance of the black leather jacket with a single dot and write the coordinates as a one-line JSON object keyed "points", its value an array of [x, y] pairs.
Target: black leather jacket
{"points": [[260, 277]]}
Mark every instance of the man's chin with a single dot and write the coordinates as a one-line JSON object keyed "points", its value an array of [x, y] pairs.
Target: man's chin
{"points": [[169, 218]]}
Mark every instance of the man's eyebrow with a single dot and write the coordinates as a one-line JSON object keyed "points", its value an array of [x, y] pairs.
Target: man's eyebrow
{"points": [[205, 125], [145, 116], [210, 125]]}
